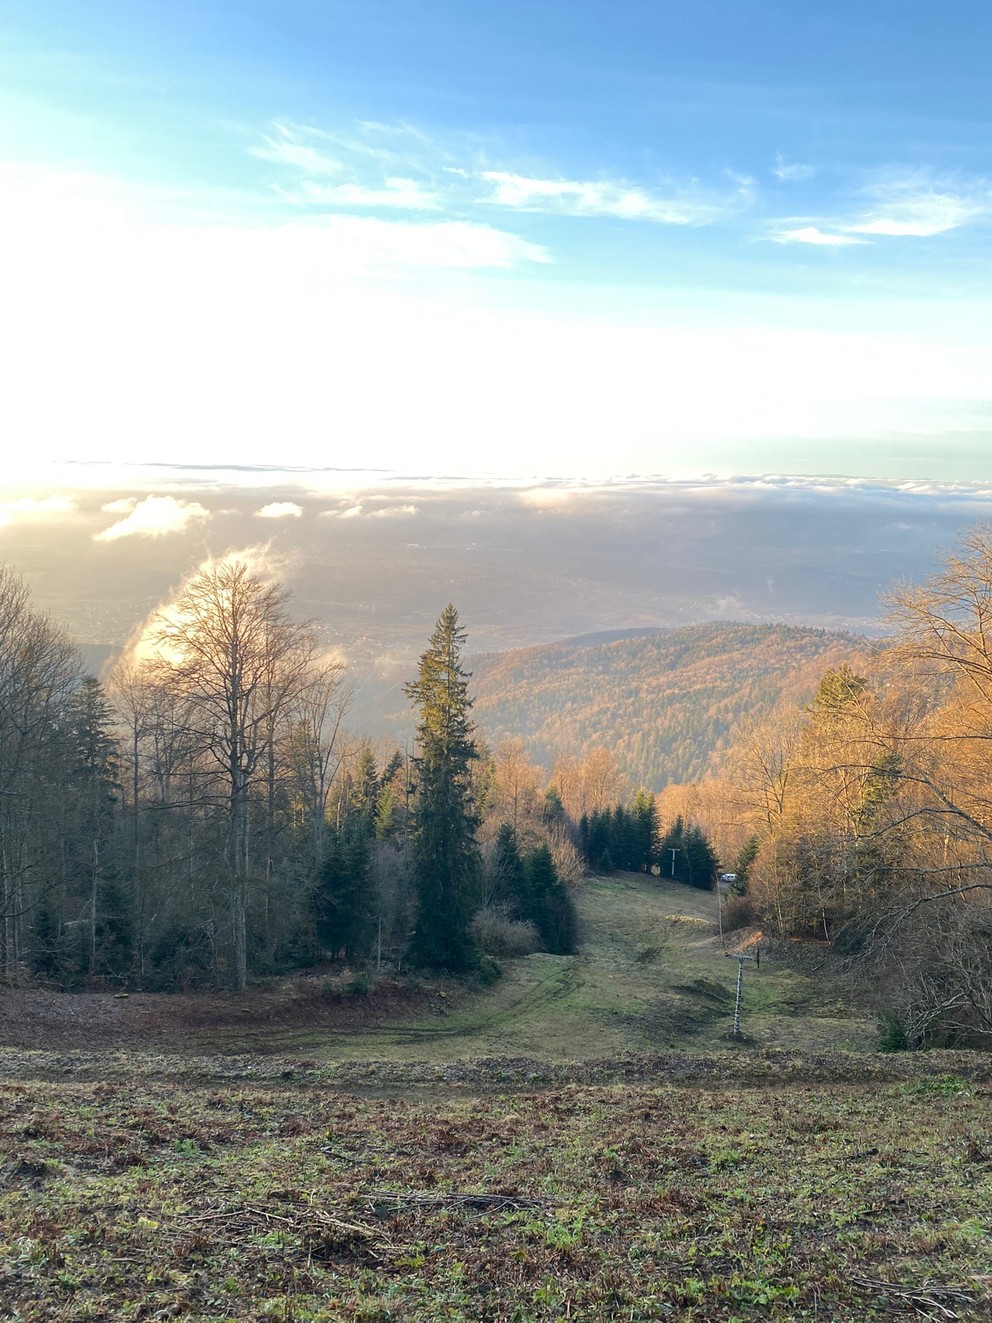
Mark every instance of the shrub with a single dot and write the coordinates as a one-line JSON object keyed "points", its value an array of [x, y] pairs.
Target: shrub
{"points": [[738, 912], [488, 971], [496, 934], [892, 1033], [340, 989]]}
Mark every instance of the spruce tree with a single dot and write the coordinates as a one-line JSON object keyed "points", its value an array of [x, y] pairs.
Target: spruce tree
{"points": [[446, 860], [343, 901], [551, 905], [644, 812], [509, 877]]}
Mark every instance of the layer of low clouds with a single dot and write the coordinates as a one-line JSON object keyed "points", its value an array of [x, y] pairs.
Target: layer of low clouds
{"points": [[524, 562], [27, 508]]}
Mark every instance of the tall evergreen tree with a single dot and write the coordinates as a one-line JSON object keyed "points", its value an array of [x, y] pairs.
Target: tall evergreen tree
{"points": [[644, 812], [365, 788], [554, 810], [445, 854]]}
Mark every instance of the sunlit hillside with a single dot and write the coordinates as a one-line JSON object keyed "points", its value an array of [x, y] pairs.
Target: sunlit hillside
{"points": [[667, 702]]}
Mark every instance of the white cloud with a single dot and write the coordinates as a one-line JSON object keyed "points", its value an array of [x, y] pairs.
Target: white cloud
{"points": [[545, 499], [155, 516], [403, 194], [343, 512], [602, 198], [124, 505], [812, 234], [791, 171], [261, 560], [372, 242], [280, 510]]}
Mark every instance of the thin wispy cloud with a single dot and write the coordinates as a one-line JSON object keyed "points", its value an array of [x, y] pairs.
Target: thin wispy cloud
{"points": [[288, 146], [791, 171], [812, 234], [914, 209], [155, 516], [400, 167], [574, 197], [909, 207], [402, 194]]}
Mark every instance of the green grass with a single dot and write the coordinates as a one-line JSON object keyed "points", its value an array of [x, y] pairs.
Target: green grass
{"points": [[650, 951]]}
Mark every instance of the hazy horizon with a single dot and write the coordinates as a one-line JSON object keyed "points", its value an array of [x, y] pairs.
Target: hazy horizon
{"points": [[524, 563]]}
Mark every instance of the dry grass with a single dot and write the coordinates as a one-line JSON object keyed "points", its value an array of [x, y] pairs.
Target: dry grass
{"points": [[222, 1200]]}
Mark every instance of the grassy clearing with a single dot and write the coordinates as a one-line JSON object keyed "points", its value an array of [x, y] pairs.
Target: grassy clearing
{"points": [[289, 1200], [582, 1141], [651, 975]]}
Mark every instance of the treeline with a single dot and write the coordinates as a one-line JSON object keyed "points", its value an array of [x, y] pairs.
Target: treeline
{"points": [[205, 815], [628, 837]]}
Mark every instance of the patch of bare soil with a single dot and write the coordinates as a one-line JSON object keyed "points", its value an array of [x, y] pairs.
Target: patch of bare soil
{"points": [[43, 1019]]}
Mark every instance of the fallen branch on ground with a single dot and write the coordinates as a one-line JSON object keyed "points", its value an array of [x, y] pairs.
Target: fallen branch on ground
{"points": [[925, 1298], [398, 1199]]}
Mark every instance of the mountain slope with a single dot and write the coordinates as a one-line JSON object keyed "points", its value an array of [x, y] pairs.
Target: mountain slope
{"points": [[666, 702]]}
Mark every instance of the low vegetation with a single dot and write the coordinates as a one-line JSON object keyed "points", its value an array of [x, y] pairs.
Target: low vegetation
{"points": [[583, 1140], [226, 1196]]}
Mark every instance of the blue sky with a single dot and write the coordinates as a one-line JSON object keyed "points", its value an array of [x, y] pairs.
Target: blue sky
{"points": [[526, 238]]}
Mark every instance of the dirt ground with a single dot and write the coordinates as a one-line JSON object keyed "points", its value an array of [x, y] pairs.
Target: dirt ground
{"points": [[40, 1019]]}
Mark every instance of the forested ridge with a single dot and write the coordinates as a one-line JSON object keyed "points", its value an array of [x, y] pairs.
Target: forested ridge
{"points": [[666, 703]]}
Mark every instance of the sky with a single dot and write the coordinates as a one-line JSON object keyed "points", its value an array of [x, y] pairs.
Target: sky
{"points": [[437, 240]]}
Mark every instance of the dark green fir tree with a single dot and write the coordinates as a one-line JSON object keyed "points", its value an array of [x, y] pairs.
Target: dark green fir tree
{"points": [[446, 860]]}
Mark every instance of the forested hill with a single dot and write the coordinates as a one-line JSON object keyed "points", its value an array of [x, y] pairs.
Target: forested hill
{"points": [[666, 702]]}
